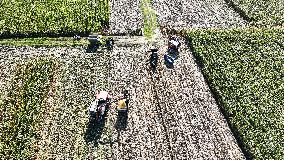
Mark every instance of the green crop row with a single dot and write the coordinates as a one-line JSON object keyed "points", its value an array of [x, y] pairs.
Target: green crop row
{"points": [[56, 17], [150, 18], [264, 13], [47, 42], [23, 108], [245, 69]]}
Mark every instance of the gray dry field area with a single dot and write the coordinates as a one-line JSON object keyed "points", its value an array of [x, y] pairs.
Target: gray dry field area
{"points": [[172, 114], [178, 14], [181, 14], [125, 16]]}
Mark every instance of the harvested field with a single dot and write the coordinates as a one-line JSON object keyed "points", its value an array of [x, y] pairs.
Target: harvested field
{"points": [[192, 118], [156, 126], [181, 14], [125, 16]]}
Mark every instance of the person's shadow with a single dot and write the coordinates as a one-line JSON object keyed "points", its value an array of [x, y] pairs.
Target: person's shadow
{"points": [[94, 130], [121, 124], [121, 121], [92, 48]]}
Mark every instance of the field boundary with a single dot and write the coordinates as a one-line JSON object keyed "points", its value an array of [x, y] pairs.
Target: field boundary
{"points": [[239, 11], [216, 96]]}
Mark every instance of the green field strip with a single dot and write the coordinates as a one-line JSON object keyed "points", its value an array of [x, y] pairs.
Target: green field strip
{"points": [[245, 69], [262, 13], [46, 42], [150, 18], [57, 17]]}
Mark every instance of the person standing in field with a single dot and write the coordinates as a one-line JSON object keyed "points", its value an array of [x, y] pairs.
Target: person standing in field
{"points": [[123, 101], [154, 59]]}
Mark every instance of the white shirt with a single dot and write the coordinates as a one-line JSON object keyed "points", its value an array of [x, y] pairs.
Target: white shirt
{"points": [[93, 106], [103, 95], [174, 42]]}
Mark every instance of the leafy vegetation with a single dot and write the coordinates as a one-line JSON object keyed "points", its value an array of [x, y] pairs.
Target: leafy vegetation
{"points": [[245, 68], [269, 12], [23, 107], [48, 42], [56, 17], [150, 18]]}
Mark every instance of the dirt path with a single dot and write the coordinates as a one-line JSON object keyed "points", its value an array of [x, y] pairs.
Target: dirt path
{"points": [[144, 136]]}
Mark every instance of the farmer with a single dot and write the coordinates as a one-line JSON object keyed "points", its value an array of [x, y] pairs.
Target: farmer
{"points": [[172, 52], [109, 43], [173, 43], [100, 104], [169, 60], [154, 59], [123, 101], [95, 42]]}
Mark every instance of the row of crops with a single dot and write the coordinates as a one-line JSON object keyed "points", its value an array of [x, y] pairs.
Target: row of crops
{"points": [[23, 107], [245, 69], [267, 13], [44, 41], [43, 108], [57, 17]]}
